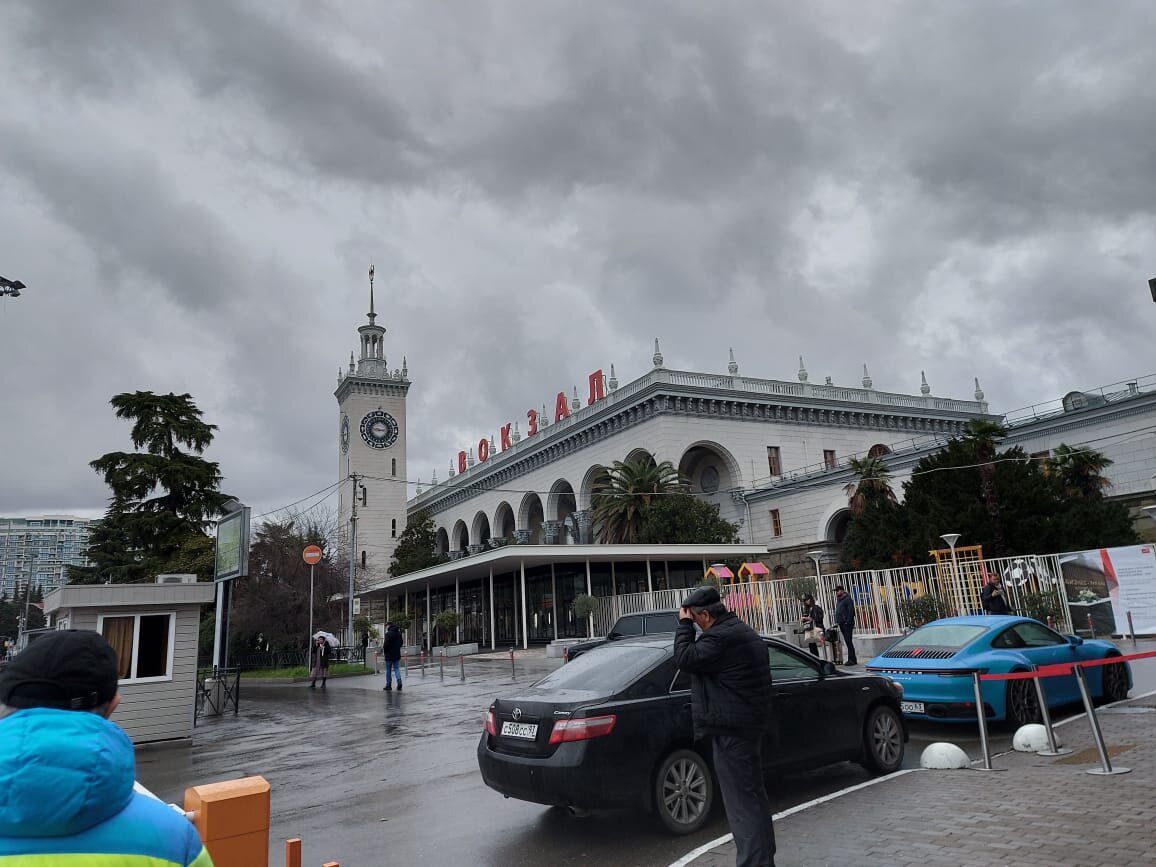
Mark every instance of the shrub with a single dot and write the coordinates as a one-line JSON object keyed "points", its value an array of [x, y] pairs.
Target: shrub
{"points": [[922, 609]]}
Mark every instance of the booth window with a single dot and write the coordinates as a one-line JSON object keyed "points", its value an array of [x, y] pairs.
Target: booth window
{"points": [[143, 644]]}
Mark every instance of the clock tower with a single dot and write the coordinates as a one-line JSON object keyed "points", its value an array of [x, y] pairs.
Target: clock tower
{"points": [[371, 445]]}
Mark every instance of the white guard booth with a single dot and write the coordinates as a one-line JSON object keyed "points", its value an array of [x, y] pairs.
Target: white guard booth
{"points": [[154, 629]]}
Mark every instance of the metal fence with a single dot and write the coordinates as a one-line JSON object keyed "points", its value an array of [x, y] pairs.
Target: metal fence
{"points": [[888, 602]]}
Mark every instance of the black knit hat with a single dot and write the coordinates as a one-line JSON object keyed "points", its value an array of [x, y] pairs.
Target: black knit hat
{"points": [[70, 669], [701, 597]]}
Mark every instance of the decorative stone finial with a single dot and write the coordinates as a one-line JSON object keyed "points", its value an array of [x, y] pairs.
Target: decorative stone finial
{"points": [[657, 357], [924, 388], [733, 367], [404, 368], [351, 368], [517, 433], [828, 381], [340, 375], [434, 480], [866, 378], [802, 370], [575, 403], [978, 390], [470, 458], [493, 451], [612, 383], [418, 488], [543, 419], [451, 468], [372, 315]]}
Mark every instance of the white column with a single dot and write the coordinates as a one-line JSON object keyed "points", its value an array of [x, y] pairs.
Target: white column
{"points": [[554, 601], [525, 618], [649, 584], [428, 625], [493, 633]]}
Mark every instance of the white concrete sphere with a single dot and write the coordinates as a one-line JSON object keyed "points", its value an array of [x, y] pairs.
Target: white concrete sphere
{"points": [[1031, 738], [944, 757]]}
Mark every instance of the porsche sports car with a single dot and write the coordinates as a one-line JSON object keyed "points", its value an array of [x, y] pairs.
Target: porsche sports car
{"points": [[934, 665], [612, 729]]}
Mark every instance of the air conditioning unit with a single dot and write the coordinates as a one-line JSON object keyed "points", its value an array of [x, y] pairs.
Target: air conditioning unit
{"points": [[177, 579]]}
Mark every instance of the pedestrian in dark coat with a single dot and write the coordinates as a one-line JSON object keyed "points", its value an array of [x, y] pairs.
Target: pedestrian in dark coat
{"points": [[319, 661], [730, 704], [391, 653], [812, 620], [992, 596], [845, 620]]}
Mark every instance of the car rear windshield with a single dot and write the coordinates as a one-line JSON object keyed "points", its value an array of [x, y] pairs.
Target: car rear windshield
{"points": [[952, 635], [606, 670], [665, 622], [627, 626]]}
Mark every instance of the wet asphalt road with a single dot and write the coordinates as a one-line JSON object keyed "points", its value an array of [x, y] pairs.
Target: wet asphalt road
{"points": [[367, 777]]}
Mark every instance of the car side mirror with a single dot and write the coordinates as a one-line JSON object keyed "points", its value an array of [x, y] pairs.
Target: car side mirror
{"points": [[1075, 640], [829, 668]]}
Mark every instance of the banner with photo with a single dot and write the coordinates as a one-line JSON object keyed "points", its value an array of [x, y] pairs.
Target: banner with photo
{"points": [[1107, 584]]}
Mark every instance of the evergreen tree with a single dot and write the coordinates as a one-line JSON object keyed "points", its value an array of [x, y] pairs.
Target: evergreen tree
{"points": [[684, 519], [162, 498], [416, 546]]}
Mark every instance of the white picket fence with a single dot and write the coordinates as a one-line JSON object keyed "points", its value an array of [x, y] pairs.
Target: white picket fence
{"points": [[879, 595]]}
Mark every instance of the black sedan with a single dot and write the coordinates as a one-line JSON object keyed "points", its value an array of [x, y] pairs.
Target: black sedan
{"points": [[613, 729]]}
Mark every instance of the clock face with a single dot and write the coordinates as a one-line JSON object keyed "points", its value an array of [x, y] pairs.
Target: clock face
{"points": [[344, 432], [379, 429]]}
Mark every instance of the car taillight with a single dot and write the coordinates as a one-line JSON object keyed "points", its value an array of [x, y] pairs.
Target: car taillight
{"points": [[582, 729], [491, 724]]}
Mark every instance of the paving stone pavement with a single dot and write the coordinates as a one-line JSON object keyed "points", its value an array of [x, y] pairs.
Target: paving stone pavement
{"points": [[1040, 811]]}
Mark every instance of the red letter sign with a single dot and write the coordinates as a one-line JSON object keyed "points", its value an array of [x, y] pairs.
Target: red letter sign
{"points": [[483, 450], [532, 426], [597, 392], [506, 442], [461, 462], [561, 408]]}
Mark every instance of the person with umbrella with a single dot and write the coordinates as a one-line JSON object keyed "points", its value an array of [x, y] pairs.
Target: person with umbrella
{"points": [[319, 659]]}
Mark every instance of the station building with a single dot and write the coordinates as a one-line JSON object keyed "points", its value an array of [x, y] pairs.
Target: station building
{"points": [[770, 454]]}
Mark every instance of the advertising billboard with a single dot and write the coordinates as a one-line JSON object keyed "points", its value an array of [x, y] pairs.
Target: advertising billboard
{"points": [[232, 557]]}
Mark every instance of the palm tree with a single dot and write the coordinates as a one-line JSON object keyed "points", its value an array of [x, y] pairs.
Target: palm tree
{"points": [[874, 484], [1078, 472], [621, 497], [983, 436]]}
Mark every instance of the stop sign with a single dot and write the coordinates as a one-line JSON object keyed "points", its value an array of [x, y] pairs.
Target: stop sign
{"points": [[311, 555]]}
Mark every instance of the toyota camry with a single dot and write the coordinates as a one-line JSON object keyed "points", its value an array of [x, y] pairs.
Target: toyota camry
{"points": [[613, 729]]}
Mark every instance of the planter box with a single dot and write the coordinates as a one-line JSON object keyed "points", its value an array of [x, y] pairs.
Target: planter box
{"points": [[555, 649], [456, 649]]}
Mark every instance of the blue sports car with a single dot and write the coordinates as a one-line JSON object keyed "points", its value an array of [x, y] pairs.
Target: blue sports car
{"points": [[935, 662]]}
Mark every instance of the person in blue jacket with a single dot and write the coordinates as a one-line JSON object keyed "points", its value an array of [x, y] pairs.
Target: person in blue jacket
{"points": [[67, 772]]}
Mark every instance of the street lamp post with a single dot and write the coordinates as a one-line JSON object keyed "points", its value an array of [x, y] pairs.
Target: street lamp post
{"points": [[951, 539]]}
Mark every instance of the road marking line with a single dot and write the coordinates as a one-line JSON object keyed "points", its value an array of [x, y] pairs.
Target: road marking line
{"points": [[726, 838]]}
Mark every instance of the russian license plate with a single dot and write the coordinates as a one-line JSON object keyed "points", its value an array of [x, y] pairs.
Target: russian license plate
{"points": [[908, 707], [529, 731]]}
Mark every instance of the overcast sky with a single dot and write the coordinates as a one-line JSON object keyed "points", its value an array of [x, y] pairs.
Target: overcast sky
{"points": [[193, 193]]}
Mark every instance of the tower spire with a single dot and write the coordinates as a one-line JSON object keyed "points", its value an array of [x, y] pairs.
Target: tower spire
{"points": [[372, 315]]}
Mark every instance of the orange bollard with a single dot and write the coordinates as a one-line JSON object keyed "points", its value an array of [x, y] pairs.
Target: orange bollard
{"points": [[233, 820], [293, 852]]}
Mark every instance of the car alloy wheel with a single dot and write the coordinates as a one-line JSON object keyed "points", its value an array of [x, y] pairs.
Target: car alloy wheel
{"points": [[1023, 705], [883, 740], [1115, 682], [683, 792]]}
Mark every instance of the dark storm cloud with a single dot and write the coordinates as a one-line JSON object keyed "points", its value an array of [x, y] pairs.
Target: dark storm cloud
{"points": [[545, 187]]}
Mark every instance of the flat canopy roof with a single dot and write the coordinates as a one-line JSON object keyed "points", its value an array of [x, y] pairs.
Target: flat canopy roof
{"points": [[511, 558]]}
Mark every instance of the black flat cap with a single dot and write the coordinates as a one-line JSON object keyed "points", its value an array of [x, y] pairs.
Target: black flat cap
{"points": [[702, 597], [70, 669]]}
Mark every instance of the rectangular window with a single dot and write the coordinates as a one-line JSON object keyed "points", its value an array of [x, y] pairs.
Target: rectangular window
{"points": [[143, 644], [776, 523], [774, 461], [393, 528], [829, 460], [393, 466]]}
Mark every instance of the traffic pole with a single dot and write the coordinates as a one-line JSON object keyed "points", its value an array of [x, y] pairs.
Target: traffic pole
{"points": [[981, 715], [1046, 715], [1106, 769]]}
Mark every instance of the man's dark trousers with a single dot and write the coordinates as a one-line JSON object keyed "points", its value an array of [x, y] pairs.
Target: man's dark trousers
{"points": [[847, 629], [739, 767]]}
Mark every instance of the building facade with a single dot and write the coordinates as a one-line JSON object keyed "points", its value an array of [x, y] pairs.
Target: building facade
{"points": [[39, 549], [371, 444]]}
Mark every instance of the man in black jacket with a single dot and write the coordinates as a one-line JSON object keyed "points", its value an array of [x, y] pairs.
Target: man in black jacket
{"points": [[730, 703], [391, 653], [845, 620]]}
